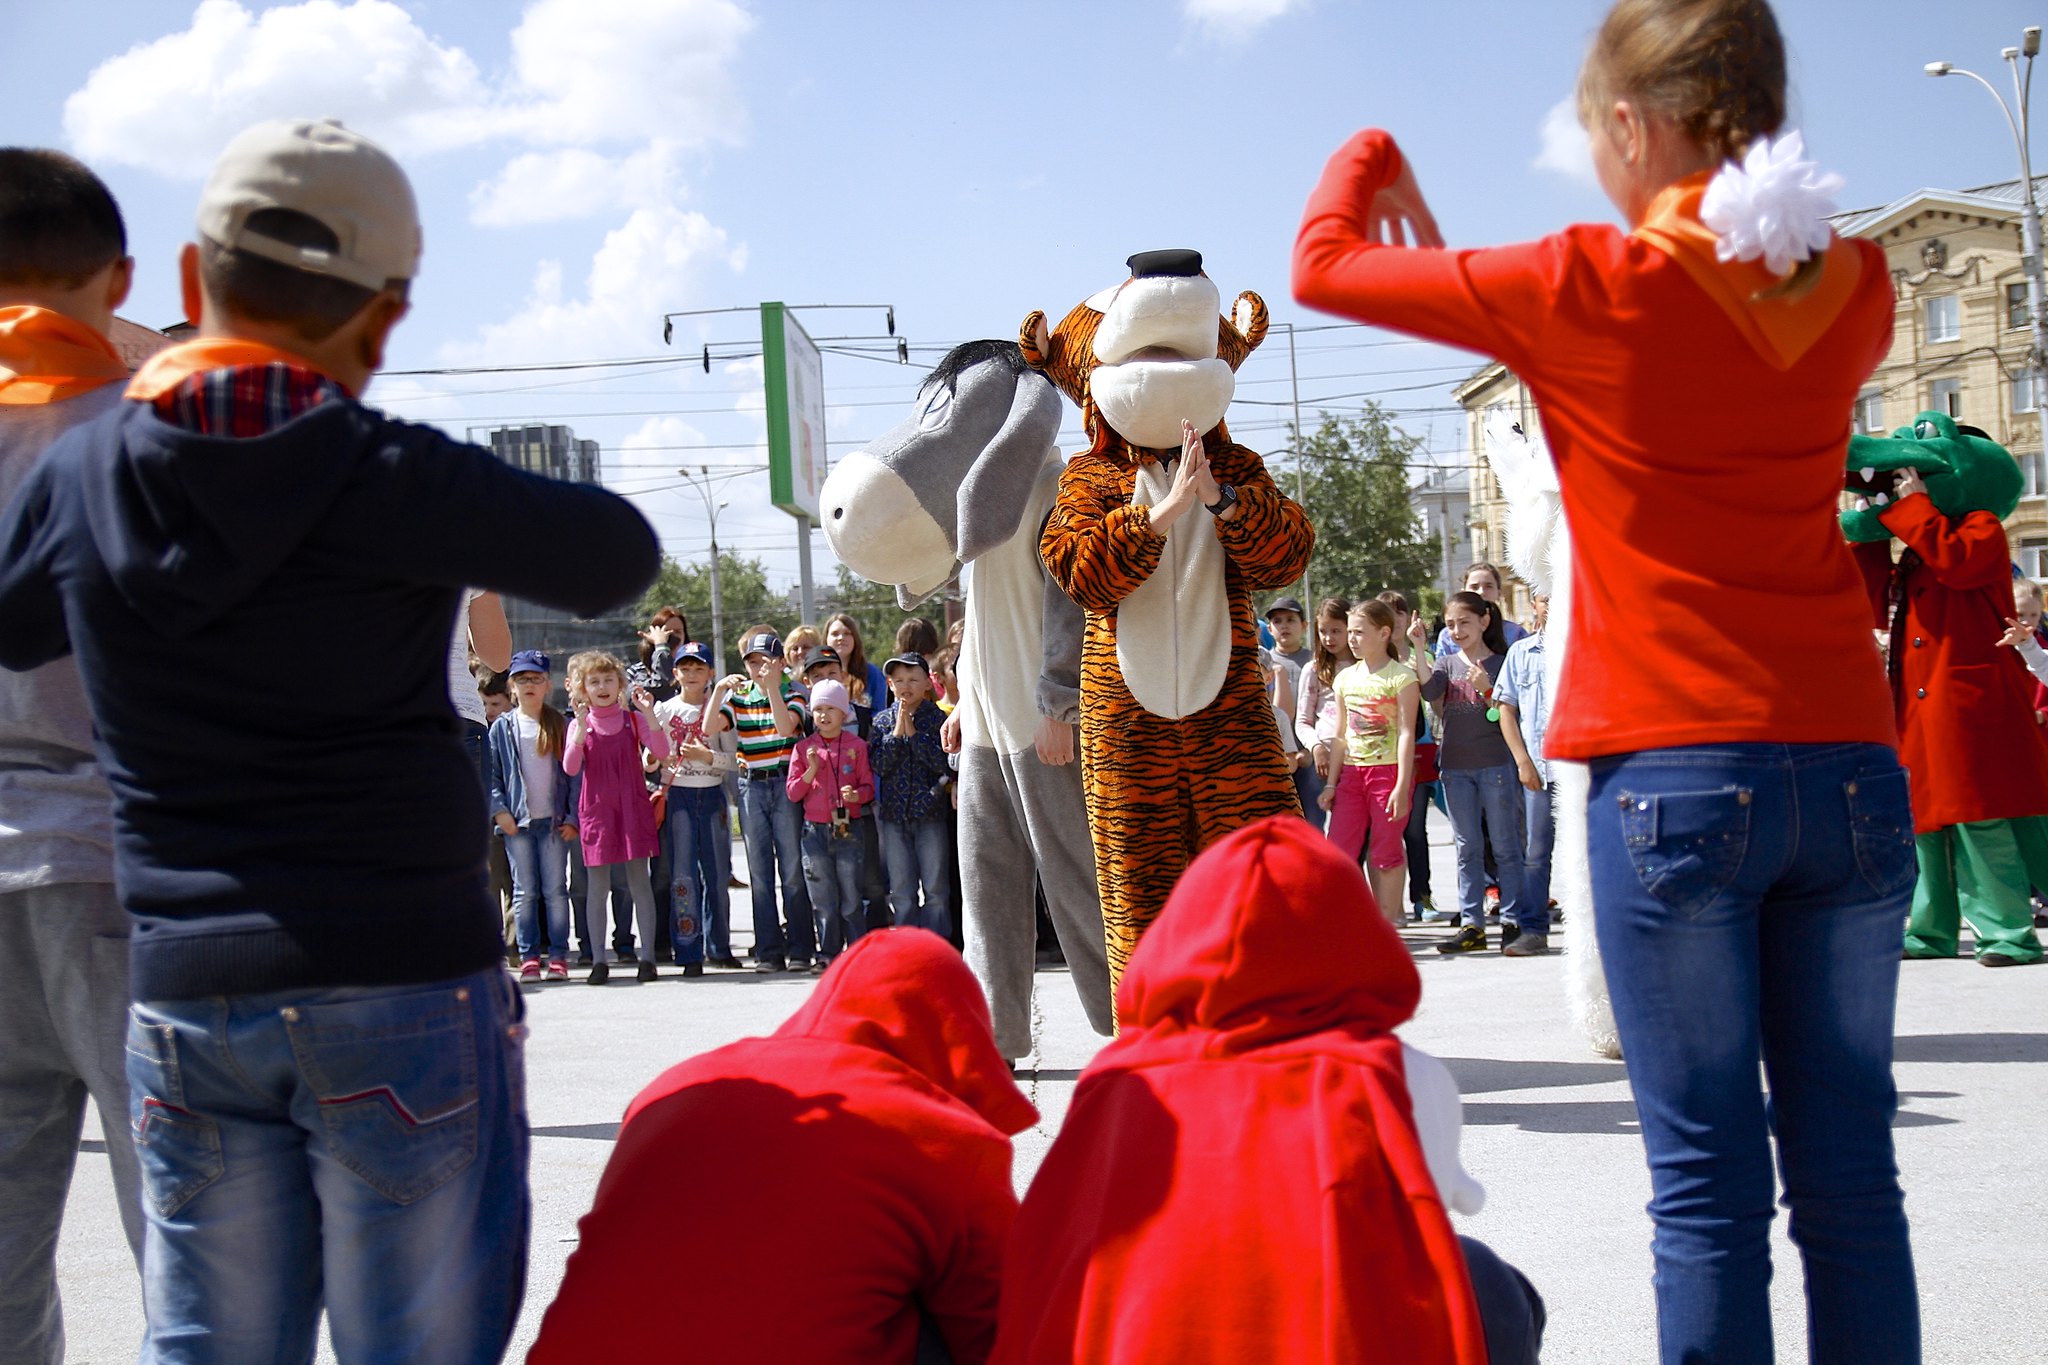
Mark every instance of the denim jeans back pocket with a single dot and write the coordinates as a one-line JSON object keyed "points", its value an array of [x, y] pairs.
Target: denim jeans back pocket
{"points": [[395, 1080], [1686, 846], [179, 1150], [1881, 829]]}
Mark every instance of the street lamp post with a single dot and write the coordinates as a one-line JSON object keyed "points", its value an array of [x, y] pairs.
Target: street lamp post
{"points": [[701, 482], [2030, 213]]}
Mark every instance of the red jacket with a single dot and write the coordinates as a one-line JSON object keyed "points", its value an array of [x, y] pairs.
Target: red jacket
{"points": [[1239, 1176], [856, 1163], [1699, 434], [1965, 702]]}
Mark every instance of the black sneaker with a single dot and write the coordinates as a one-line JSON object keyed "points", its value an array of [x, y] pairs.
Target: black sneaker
{"points": [[799, 964], [600, 972], [693, 969], [583, 959], [770, 964], [728, 963], [648, 973], [1470, 939], [1509, 933]]}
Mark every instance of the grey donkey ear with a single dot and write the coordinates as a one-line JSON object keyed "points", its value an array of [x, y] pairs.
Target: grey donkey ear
{"points": [[998, 485]]}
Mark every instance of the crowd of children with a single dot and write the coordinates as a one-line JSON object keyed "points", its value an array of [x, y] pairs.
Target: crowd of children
{"points": [[1467, 739], [624, 807]]}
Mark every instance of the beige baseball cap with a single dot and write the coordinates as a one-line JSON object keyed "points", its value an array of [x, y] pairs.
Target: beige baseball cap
{"points": [[338, 178]]}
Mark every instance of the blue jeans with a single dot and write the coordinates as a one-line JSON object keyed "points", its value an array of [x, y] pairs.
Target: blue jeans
{"points": [[700, 866], [920, 851], [1749, 899], [1496, 794], [772, 827], [358, 1148], [832, 875], [540, 872], [1539, 819]]}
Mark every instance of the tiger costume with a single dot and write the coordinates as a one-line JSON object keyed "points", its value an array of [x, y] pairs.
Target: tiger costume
{"points": [[1178, 742]]}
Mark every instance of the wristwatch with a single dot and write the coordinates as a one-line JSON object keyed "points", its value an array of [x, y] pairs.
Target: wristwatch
{"points": [[1226, 498]]}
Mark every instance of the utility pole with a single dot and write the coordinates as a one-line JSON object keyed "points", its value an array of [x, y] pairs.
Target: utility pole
{"points": [[1300, 477], [2030, 213], [701, 483]]}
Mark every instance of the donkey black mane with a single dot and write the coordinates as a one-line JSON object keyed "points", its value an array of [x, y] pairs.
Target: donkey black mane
{"points": [[967, 355]]}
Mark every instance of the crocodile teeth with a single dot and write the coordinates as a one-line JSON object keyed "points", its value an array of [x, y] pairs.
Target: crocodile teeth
{"points": [[1863, 504], [1869, 472], [1883, 498]]}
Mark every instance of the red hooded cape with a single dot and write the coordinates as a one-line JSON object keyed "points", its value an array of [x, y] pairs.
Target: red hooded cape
{"points": [[857, 1161], [1239, 1178]]}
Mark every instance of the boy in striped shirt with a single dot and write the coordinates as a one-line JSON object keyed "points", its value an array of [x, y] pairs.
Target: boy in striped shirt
{"points": [[768, 718]]}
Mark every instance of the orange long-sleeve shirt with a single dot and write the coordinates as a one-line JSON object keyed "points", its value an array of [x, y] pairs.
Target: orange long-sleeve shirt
{"points": [[1699, 437]]}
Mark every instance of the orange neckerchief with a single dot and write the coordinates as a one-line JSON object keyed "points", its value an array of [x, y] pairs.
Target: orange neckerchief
{"points": [[46, 357], [1780, 329], [171, 367]]}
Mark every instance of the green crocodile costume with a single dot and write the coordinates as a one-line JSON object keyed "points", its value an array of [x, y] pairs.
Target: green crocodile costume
{"points": [[1977, 761]]}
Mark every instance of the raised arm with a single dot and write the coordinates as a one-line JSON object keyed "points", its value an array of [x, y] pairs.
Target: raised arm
{"points": [[1270, 537], [1492, 301], [1098, 548], [1969, 551]]}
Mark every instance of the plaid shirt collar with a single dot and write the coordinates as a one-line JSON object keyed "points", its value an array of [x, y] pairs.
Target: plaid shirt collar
{"points": [[244, 401]]}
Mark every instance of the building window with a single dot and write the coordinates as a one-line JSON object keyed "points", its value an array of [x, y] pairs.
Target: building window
{"points": [[2026, 392], [1869, 411], [1945, 318], [2016, 305], [2030, 470], [2033, 553], [1946, 395]]}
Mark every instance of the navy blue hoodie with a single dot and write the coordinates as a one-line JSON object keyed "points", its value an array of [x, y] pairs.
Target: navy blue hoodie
{"points": [[262, 626]]}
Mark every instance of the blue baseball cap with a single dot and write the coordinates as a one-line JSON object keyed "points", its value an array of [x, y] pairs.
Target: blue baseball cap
{"points": [[765, 642], [529, 661], [693, 652]]}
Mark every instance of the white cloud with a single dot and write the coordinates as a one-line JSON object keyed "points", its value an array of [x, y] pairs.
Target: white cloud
{"points": [[552, 187], [592, 70], [583, 71], [656, 261], [1565, 149], [170, 105], [1235, 20]]}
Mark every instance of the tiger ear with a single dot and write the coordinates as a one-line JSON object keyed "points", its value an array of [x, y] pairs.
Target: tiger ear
{"points": [[1035, 340], [1249, 316]]}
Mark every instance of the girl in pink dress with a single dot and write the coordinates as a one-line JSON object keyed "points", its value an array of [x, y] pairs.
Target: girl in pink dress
{"points": [[614, 815]]}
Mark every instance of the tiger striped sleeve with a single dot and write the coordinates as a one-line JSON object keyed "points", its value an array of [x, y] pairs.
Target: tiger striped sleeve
{"points": [[1270, 538], [1096, 546]]}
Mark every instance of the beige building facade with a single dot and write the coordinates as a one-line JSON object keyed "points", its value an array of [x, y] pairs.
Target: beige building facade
{"points": [[1960, 341]]}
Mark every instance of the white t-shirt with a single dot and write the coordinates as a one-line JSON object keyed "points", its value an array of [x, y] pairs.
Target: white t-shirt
{"points": [[683, 723], [539, 772], [469, 703]]}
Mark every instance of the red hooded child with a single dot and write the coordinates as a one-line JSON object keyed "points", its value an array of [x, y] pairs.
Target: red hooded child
{"points": [[1240, 1177], [884, 1107]]}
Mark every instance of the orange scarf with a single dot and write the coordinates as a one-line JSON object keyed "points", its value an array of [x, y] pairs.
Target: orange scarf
{"points": [[1780, 329], [172, 366], [46, 357]]}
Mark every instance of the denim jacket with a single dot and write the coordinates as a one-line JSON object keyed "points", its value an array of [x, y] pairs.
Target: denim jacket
{"points": [[508, 783]]}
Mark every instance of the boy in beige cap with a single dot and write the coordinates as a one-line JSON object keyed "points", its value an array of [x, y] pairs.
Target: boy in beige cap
{"points": [[324, 1049]]}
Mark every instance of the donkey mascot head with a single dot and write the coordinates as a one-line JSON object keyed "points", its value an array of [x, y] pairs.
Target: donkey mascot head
{"points": [[951, 481]]}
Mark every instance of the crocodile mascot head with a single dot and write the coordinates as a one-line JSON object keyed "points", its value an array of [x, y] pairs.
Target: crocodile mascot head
{"points": [[1148, 352], [1964, 469]]}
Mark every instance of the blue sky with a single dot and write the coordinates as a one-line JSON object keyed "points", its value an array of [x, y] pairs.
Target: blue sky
{"points": [[585, 165]]}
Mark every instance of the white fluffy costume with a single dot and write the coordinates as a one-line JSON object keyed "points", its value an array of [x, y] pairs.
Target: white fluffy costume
{"points": [[963, 487], [1540, 552]]}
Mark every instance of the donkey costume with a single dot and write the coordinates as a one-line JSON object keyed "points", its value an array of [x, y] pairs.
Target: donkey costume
{"points": [[969, 480]]}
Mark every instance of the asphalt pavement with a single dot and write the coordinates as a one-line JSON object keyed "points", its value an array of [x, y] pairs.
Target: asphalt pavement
{"points": [[1549, 1130]]}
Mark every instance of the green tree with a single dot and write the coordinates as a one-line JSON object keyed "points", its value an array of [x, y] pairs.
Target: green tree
{"points": [[743, 588], [1355, 472], [873, 608]]}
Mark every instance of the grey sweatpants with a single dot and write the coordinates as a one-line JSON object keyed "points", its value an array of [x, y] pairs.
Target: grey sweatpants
{"points": [[63, 1036], [1018, 817]]}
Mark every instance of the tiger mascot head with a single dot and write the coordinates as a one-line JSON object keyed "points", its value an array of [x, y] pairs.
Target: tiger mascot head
{"points": [[1148, 352]]}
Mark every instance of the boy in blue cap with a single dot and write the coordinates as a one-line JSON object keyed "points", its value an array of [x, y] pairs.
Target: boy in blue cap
{"points": [[699, 831], [768, 713]]}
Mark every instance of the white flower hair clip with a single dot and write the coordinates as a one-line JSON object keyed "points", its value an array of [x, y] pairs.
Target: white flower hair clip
{"points": [[1773, 204]]}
